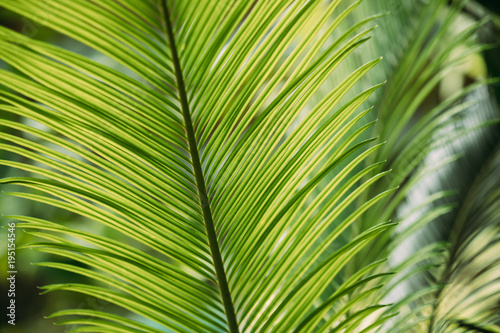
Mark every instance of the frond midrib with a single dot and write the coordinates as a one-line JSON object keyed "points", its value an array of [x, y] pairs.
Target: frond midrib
{"points": [[200, 179]]}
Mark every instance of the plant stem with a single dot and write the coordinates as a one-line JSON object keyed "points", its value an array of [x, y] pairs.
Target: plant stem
{"points": [[200, 181]]}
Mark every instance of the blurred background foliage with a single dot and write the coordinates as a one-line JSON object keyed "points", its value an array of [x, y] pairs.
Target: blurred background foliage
{"points": [[439, 118]]}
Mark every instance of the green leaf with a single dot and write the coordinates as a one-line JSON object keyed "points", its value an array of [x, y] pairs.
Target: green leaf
{"points": [[222, 183]]}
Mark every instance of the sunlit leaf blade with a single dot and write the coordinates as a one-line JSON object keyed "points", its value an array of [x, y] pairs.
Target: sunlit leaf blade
{"points": [[223, 177]]}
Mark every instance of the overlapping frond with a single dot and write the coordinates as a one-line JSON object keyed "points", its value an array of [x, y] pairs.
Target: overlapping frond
{"points": [[471, 289], [416, 122]]}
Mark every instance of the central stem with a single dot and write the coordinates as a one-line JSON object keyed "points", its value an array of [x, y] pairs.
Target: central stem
{"points": [[200, 182]]}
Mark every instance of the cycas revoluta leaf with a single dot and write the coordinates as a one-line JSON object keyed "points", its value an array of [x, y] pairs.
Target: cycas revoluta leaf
{"points": [[228, 186], [425, 52], [471, 289]]}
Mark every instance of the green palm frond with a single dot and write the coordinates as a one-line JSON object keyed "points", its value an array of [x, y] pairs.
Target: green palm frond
{"points": [[229, 188], [416, 124], [471, 292], [223, 164]]}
